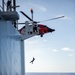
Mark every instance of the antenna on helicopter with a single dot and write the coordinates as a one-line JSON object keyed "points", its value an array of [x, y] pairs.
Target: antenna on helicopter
{"points": [[31, 10]]}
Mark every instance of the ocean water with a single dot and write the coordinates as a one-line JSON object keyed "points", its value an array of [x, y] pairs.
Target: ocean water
{"points": [[50, 74]]}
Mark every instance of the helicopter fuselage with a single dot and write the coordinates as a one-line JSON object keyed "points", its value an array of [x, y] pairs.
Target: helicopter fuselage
{"points": [[38, 29]]}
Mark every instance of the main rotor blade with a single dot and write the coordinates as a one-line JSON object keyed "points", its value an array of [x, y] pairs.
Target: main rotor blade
{"points": [[51, 19], [26, 15]]}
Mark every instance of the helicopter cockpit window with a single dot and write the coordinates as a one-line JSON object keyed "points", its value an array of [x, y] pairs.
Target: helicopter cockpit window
{"points": [[45, 26]]}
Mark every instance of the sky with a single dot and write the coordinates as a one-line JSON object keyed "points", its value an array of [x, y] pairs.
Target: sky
{"points": [[54, 52]]}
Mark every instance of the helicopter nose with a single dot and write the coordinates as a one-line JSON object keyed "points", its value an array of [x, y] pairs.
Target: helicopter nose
{"points": [[51, 30]]}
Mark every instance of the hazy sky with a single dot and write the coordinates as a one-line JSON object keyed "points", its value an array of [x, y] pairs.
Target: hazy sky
{"points": [[54, 52]]}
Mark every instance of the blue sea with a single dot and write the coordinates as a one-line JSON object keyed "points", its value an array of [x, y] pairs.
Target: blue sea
{"points": [[50, 73]]}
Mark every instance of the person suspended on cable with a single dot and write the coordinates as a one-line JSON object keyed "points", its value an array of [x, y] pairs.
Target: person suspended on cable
{"points": [[32, 60]]}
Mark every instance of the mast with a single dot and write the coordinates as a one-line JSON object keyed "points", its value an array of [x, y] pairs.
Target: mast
{"points": [[14, 4], [3, 5]]}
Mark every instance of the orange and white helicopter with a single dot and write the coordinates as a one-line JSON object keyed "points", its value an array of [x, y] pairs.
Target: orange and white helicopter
{"points": [[32, 28]]}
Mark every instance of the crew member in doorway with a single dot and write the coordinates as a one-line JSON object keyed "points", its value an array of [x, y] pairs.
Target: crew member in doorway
{"points": [[35, 28], [14, 24], [8, 5], [32, 60]]}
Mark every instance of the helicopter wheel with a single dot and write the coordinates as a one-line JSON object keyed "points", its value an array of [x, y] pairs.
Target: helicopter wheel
{"points": [[41, 35]]}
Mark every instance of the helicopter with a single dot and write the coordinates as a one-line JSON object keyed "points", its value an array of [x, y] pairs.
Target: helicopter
{"points": [[34, 28]]}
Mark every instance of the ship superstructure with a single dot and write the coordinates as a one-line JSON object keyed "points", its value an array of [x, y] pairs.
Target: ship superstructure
{"points": [[11, 45]]}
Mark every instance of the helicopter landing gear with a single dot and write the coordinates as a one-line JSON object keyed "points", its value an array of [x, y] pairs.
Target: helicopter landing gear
{"points": [[41, 35]]}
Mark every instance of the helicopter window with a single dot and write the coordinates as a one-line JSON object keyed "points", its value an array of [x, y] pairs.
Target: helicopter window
{"points": [[45, 26]]}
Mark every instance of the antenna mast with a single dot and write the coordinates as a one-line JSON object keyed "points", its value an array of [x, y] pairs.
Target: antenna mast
{"points": [[14, 5], [3, 5]]}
